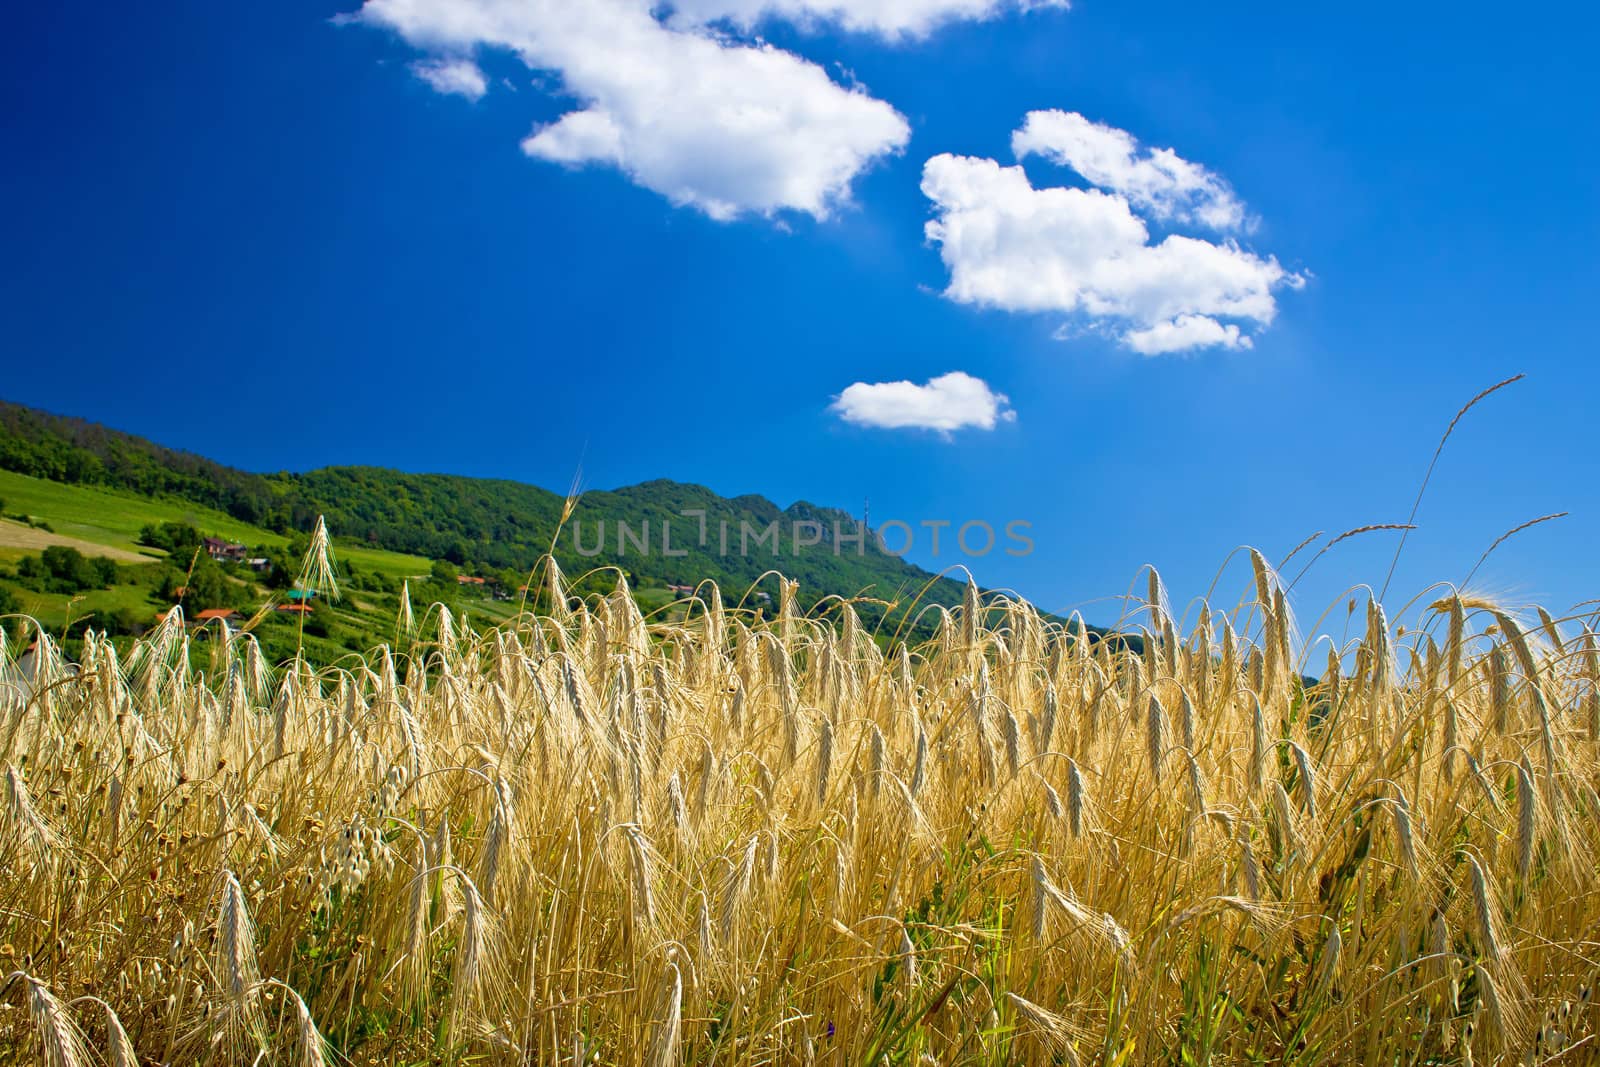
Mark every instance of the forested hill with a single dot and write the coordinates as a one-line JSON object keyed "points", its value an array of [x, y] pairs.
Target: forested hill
{"points": [[490, 526]]}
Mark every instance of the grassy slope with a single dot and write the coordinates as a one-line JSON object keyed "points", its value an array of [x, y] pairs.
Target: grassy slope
{"points": [[113, 518], [87, 517], [18, 539], [53, 610]]}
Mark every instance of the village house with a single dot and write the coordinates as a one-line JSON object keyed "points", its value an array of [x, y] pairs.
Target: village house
{"points": [[223, 551], [209, 615], [227, 615]]}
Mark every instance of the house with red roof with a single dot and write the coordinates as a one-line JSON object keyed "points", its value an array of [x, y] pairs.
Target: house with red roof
{"points": [[216, 615]]}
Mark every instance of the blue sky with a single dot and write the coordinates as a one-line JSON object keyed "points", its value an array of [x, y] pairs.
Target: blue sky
{"points": [[259, 232]]}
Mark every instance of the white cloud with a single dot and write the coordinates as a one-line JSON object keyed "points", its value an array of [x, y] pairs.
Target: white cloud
{"points": [[457, 77], [886, 18], [1085, 253], [726, 127], [1185, 332], [949, 402], [1159, 181]]}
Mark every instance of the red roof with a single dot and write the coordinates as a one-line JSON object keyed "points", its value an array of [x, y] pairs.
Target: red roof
{"points": [[215, 613], [298, 609], [467, 579]]}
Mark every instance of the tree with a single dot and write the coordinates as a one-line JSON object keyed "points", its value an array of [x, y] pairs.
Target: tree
{"points": [[177, 538], [283, 570], [443, 573], [122, 621], [61, 569], [171, 582], [9, 606], [319, 623], [209, 587]]}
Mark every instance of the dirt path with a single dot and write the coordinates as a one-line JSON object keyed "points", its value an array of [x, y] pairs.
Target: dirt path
{"points": [[18, 535]]}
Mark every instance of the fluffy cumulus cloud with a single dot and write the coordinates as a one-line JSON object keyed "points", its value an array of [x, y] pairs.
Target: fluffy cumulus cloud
{"points": [[669, 97], [452, 77], [886, 18], [950, 402], [1089, 254], [1184, 332], [1158, 180], [711, 123]]}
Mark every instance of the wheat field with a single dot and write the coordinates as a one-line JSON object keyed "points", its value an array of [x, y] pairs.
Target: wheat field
{"points": [[589, 837]]}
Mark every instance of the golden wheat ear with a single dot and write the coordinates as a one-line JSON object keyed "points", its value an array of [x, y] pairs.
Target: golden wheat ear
{"points": [[318, 572], [59, 1041]]}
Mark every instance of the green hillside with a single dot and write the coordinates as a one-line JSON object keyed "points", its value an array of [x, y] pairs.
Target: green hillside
{"points": [[114, 517], [101, 486], [105, 524]]}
